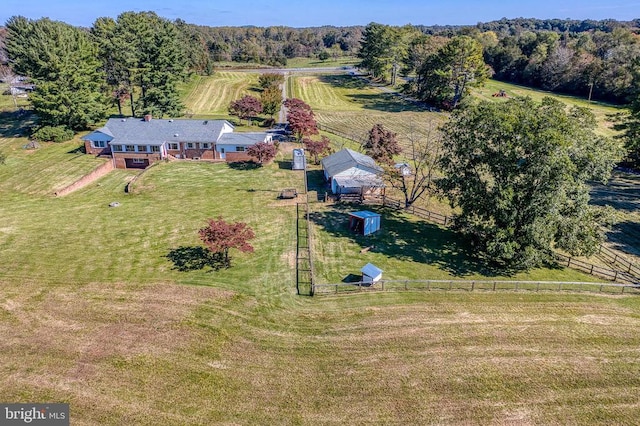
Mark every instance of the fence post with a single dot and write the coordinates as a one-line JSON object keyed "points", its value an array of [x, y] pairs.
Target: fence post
{"points": [[538, 286], [428, 285], [382, 284], [494, 286], [336, 288], [405, 284], [473, 284], [445, 221], [615, 277]]}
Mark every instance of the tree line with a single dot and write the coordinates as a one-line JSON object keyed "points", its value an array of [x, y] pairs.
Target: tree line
{"points": [[593, 59]]}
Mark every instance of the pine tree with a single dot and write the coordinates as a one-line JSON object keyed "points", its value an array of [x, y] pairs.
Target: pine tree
{"points": [[62, 62]]}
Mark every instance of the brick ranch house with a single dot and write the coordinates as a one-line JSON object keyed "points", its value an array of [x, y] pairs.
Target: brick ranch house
{"points": [[135, 143]]}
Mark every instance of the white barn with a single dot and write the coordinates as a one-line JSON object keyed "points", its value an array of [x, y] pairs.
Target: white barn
{"points": [[350, 172]]}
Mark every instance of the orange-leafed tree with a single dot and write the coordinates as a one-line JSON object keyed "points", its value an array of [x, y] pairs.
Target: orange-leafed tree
{"points": [[219, 236]]}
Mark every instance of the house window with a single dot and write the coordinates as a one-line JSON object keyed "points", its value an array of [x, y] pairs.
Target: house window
{"points": [[189, 145], [116, 148], [155, 148], [99, 144], [205, 145], [173, 146], [138, 160], [239, 148], [130, 148]]}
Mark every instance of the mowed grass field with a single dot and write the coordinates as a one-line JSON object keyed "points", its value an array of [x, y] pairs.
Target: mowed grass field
{"points": [[351, 106], [211, 95], [93, 313]]}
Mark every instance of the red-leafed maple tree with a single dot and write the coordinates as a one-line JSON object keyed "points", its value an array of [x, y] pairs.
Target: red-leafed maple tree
{"points": [[382, 144], [219, 236], [302, 122], [317, 148], [295, 103], [262, 152], [245, 108]]}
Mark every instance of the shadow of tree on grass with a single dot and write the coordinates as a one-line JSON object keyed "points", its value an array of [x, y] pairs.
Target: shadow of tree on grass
{"points": [[195, 258], [244, 165]]}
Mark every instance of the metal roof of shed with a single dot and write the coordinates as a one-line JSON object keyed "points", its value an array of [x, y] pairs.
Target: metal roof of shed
{"points": [[346, 159], [371, 270]]}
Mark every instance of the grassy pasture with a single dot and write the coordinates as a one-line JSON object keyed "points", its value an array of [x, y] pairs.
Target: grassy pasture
{"points": [[211, 95], [350, 105], [405, 248], [601, 110], [341, 61]]}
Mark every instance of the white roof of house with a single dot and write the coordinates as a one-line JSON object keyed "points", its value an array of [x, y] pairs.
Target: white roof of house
{"points": [[371, 270]]}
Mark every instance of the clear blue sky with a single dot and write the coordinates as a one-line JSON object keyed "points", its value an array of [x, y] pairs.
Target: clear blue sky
{"points": [[307, 13]]}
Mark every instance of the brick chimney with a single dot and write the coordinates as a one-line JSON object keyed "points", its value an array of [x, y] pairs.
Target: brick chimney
{"points": [[147, 117]]}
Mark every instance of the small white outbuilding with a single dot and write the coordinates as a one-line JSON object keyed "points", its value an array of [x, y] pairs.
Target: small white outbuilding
{"points": [[371, 273]]}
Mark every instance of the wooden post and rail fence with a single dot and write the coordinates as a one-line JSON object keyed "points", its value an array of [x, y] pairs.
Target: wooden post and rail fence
{"points": [[473, 285]]}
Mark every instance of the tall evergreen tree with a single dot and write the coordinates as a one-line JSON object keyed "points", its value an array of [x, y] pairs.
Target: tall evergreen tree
{"points": [[374, 49], [143, 52], [62, 61]]}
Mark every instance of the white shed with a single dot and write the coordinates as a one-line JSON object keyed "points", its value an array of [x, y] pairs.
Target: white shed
{"points": [[371, 273], [299, 160]]}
